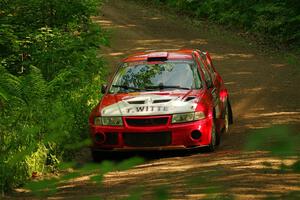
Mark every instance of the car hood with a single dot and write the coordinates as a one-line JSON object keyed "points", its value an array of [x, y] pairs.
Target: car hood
{"points": [[150, 103]]}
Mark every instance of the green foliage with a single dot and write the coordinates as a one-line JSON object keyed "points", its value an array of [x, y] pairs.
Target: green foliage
{"points": [[161, 193], [43, 188], [47, 187], [277, 21], [296, 166], [127, 164], [9, 86], [135, 194], [49, 78], [278, 140]]}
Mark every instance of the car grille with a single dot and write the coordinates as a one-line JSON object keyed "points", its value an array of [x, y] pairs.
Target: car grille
{"points": [[147, 121], [147, 139]]}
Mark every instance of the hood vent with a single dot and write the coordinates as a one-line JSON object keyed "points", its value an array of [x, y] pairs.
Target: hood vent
{"points": [[161, 100], [136, 102], [190, 98]]}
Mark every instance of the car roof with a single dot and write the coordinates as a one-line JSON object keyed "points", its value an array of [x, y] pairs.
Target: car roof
{"points": [[182, 54]]}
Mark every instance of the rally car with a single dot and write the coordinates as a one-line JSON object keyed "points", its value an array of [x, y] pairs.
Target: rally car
{"points": [[161, 101]]}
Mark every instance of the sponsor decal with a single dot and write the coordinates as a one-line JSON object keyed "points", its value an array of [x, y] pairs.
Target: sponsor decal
{"points": [[147, 109]]}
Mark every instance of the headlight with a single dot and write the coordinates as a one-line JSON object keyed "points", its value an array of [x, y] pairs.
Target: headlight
{"points": [[108, 121], [112, 121], [199, 115], [187, 117]]}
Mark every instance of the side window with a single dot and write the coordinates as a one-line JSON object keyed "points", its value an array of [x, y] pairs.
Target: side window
{"points": [[205, 72], [210, 69], [197, 79]]}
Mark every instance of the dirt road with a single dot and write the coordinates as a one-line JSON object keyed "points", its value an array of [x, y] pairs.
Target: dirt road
{"points": [[264, 91]]}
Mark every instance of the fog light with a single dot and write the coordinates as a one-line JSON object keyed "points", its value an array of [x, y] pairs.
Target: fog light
{"points": [[196, 135], [99, 138]]}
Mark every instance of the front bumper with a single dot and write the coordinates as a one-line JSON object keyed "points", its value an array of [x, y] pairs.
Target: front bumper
{"points": [[151, 137], [146, 149]]}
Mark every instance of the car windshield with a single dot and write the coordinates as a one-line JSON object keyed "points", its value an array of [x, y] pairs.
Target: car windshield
{"points": [[156, 76]]}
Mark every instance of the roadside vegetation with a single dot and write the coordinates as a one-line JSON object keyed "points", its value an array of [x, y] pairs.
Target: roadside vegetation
{"points": [[49, 79], [276, 23]]}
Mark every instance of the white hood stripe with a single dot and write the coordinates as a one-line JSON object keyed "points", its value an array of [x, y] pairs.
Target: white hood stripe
{"points": [[147, 105]]}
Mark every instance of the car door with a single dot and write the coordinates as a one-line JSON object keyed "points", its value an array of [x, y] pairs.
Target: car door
{"points": [[210, 84], [219, 84]]}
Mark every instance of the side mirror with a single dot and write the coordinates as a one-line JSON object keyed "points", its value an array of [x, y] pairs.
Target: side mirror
{"points": [[103, 88]]}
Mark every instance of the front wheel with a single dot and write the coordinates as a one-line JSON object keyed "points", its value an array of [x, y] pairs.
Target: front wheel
{"points": [[213, 138]]}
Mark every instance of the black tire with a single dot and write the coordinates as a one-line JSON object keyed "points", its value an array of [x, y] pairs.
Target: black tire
{"points": [[230, 112], [214, 138]]}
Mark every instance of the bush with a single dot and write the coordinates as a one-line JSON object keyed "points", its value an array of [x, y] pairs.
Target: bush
{"points": [[49, 78]]}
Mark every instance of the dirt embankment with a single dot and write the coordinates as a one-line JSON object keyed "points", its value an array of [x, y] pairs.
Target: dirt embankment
{"points": [[264, 90]]}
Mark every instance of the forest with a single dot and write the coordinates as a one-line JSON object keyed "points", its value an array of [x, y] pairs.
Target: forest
{"points": [[272, 22], [51, 71]]}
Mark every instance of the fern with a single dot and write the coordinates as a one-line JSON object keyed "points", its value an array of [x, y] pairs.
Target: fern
{"points": [[9, 86], [33, 86]]}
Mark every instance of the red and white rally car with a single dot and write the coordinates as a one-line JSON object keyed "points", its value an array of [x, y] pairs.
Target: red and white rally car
{"points": [[160, 101]]}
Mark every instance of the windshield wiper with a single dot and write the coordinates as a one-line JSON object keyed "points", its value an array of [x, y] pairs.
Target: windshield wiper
{"points": [[126, 87], [161, 87]]}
